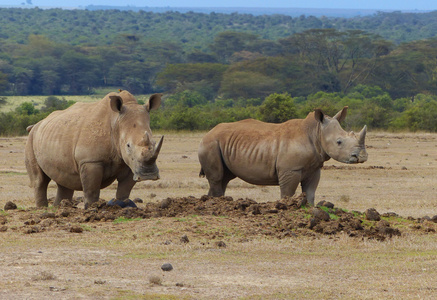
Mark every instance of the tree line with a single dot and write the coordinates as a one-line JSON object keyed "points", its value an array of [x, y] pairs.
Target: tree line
{"points": [[190, 110], [230, 74]]}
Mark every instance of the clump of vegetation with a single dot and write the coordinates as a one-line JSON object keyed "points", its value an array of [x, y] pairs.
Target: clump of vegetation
{"points": [[44, 275], [124, 220], [156, 280]]}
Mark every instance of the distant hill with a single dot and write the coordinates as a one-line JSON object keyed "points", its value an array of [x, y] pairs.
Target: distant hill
{"points": [[257, 11]]}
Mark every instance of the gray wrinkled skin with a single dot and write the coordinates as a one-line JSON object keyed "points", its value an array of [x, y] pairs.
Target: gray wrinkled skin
{"points": [[278, 154], [90, 145]]}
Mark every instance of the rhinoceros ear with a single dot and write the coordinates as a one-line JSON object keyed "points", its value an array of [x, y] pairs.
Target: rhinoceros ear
{"points": [[154, 102], [319, 115], [341, 115], [116, 103]]}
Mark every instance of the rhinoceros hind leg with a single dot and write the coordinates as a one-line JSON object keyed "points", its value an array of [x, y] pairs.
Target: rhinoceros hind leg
{"points": [[219, 182], [40, 189], [39, 181], [63, 193]]}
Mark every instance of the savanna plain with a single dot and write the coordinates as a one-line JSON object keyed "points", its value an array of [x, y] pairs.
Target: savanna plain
{"points": [[233, 253]]}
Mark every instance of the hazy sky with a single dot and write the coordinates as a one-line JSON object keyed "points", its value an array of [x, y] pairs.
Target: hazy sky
{"points": [[359, 4]]}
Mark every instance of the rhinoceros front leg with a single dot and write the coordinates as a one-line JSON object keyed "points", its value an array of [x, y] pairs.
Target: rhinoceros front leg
{"points": [[288, 182], [309, 186], [63, 193], [91, 175], [125, 186]]}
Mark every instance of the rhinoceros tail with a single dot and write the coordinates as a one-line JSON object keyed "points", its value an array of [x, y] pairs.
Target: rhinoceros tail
{"points": [[201, 173], [29, 128]]}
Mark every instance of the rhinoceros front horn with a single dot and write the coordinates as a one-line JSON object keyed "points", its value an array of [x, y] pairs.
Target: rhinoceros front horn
{"points": [[363, 135], [158, 148]]}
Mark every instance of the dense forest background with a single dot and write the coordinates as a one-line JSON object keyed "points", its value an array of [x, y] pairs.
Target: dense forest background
{"points": [[224, 67]]}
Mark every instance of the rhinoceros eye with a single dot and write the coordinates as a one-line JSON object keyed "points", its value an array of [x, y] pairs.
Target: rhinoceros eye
{"points": [[339, 142]]}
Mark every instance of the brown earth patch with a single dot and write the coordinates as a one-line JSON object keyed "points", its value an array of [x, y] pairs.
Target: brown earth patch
{"points": [[289, 217]]}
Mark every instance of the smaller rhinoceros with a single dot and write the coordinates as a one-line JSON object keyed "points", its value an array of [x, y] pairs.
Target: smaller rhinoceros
{"points": [[90, 145], [278, 154]]}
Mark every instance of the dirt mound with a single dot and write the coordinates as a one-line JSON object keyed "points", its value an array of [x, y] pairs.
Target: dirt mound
{"points": [[287, 217]]}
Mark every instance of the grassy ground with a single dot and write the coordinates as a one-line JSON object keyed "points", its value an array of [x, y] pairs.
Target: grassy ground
{"points": [[119, 260]]}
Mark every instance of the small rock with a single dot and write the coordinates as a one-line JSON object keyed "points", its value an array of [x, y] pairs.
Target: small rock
{"points": [[220, 244], [76, 229], [325, 204], [10, 205], [434, 219], [320, 214], [167, 267], [99, 281], [280, 205], [66, 203], [179, 284], [313, 223], [122, 203], [165, 203], [3, 228], [372, 215], [3, 220], [404, 168], [138, 200], [184, 239]]}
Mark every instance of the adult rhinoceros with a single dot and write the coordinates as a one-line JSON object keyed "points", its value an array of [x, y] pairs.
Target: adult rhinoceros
{"points": [[278, 154], [89, 145]]}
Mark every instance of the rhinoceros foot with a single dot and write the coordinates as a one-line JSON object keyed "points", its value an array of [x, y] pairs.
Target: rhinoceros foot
{"points": [[122, 203]]}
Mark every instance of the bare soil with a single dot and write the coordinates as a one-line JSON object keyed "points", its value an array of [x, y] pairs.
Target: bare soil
{"points": [[373, 234]]}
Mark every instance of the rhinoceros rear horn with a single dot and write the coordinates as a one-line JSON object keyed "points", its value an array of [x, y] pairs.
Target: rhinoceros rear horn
{"points": [[158, 148], [363, 135]]}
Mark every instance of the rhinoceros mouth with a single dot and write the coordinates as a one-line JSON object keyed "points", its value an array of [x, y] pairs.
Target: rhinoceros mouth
{"points": [[143, 177], [357, 158]]}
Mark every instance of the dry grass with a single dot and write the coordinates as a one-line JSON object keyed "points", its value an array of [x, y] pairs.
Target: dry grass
{"points": [[125, 256]]}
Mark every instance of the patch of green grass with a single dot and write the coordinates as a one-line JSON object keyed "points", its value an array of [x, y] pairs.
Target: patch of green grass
{"points": [[87, 227], [331, 215], [12, 173], [187, 218], [124, 220]]}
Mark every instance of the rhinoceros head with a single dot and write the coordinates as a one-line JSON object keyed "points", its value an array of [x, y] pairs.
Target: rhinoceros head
{"points": [[133, 138], [346, 147]]}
